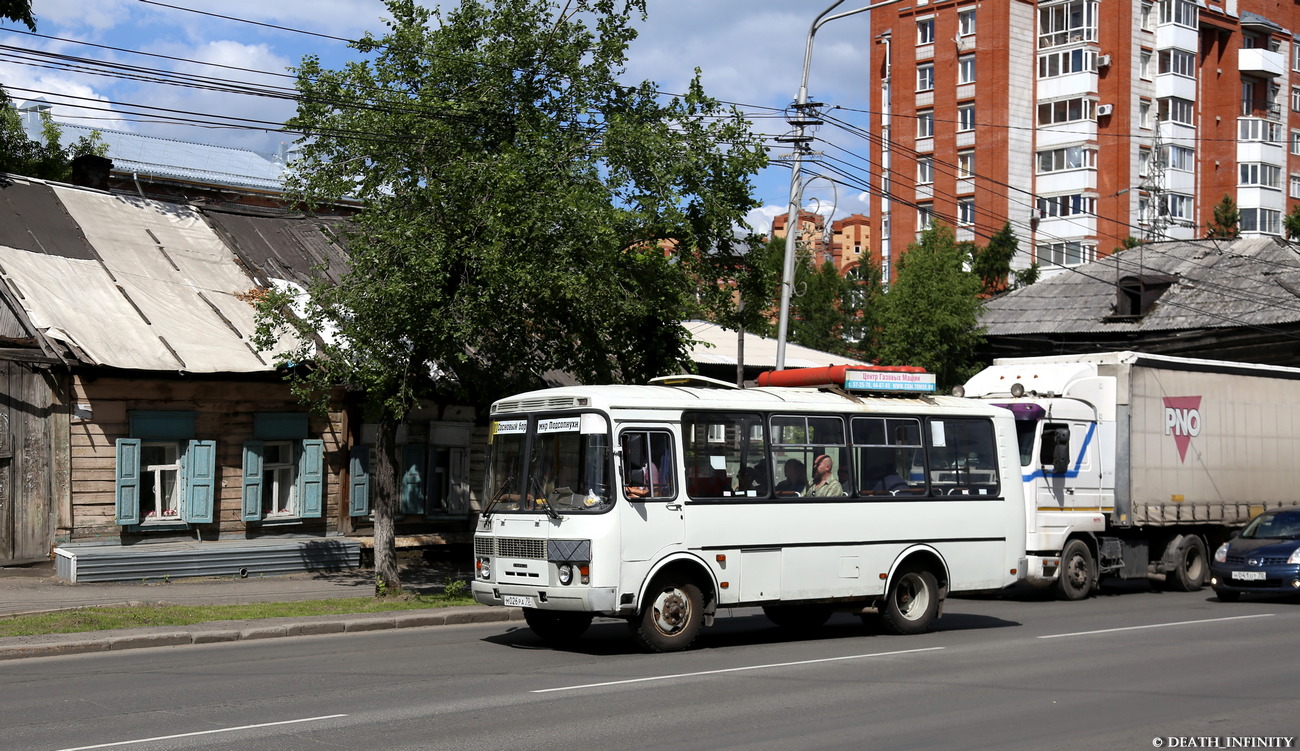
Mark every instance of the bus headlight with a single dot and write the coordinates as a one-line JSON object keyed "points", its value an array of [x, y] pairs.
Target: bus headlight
{"points": [[484, 568], [566, 574]]}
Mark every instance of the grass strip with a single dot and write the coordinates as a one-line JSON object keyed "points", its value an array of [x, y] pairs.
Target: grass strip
{"points": [[101, 618]]}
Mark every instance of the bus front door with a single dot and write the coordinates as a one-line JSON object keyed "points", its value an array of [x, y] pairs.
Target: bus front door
{"points": [[652, 518]]}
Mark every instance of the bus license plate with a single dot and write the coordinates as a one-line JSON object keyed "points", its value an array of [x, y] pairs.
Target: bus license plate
{"points": [[1252, 576], [517, 601]]}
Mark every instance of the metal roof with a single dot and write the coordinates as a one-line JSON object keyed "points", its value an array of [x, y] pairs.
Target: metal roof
{"points": [[718, 346], [149, 286], [1251, 281]]}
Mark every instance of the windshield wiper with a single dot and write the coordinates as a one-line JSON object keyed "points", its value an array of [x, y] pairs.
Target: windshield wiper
{"points": [[540, 498], [501, 491]]}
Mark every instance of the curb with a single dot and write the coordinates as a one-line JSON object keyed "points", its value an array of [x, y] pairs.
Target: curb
{"points": [[53, 645]]}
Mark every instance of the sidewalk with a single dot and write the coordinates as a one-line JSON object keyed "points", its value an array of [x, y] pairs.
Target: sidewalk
{"points": [[35, 589]]}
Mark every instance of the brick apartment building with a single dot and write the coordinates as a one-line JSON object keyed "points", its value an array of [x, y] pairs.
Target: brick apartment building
{"points": [[1082, 122], [849, 239]]}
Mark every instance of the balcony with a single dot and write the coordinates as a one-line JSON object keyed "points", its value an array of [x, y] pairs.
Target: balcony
{"points": [[1261, 62], [1270, 111]]}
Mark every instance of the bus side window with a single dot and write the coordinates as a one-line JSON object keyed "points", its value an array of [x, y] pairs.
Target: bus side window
{"points": [[647, 465]]}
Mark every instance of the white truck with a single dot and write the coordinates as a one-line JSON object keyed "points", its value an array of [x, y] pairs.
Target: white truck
{"points": [[1135, 465]]}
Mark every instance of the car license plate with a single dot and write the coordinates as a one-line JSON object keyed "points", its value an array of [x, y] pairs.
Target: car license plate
{"points": [[1250, 576], [517, 601]]}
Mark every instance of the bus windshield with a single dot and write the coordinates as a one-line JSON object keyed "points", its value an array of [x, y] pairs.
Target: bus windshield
{"points": [[554, 464]]}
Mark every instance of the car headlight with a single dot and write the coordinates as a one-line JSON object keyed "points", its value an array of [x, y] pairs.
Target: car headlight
{"points": [[1221, 555], [1295, 556]]}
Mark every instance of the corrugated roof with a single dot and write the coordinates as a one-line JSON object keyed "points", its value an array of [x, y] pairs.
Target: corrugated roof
{"points": [[719, 347], [294, 248], [1252, 281], [159, 292]]}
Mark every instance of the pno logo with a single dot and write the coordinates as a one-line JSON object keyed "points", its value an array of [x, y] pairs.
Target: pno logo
{"points": [[1183, 421]]}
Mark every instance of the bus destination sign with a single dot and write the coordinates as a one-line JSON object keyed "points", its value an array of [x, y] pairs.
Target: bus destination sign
{"points": [[887, 381]]}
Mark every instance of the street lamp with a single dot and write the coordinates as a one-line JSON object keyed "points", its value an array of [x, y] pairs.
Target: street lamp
{"points": [[802, 118]]}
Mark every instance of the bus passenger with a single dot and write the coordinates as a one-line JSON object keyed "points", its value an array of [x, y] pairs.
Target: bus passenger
{"points": [[886, 479], [824, 483], [795, 482]]}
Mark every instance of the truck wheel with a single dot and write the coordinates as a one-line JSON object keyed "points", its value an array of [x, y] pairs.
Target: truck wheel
{"points": [[1074, 580], [1189, 570], [911, 604], [557, 627], [797, 617], [672, 618]]}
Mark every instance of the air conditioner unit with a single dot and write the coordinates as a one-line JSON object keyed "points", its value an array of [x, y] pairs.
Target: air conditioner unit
{"points": [[1103, 61], [1104, 110]]}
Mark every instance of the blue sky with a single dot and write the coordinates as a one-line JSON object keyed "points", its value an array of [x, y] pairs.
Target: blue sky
{"points": [[749, 51]]}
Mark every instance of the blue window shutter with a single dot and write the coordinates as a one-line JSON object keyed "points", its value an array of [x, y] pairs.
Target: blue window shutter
{"points": [[200, 482], [127, 477], [414, 461], [359, 481], [252, 493], [311, 478]]}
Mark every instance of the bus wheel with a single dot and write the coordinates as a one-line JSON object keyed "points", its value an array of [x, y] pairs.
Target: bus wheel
{"points": [[557, 627], [672, 617], [797, 617], [1189, 566], [911, 604], [1074, 580]]}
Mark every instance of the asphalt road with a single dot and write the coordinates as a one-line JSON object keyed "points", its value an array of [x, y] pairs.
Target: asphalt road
{"points": [[1115, 672]]}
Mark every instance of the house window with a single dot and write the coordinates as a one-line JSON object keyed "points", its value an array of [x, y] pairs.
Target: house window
{"points": [[1144, 210], [925, 124], [966, 164], [1180, 12], [1066, 23], [925, 31], [924, 216], [924, 170], [283, 470], [1295, 56], [1255, 129], [1180, 158], [965, 117], [1147, 14], [1176, 110], [1067, 205], [1295, 142], [1295, 186], [1178, 206], [1265, 221], [163, 476], [1258, 173], [1052, 64], [1067, 158], [1177, 62], [1144, 162], [925, 77], [1295, 97], [965, 212], [966, 23], [1065, 253], [966, 69], [1144, 114], [1066, 111], [1144, 65]]}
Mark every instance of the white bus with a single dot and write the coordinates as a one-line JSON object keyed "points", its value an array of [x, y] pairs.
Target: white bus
{"points": [[660, 504]]}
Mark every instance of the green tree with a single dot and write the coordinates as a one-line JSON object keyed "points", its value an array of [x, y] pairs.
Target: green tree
{"points": [[46, 159], [18, 10], [992, 263], [523, 210], [929, 317], [1292, 222], [1227, 219]]}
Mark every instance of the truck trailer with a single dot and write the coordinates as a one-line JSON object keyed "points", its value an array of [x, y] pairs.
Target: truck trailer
{"points": [[1136, 465]]}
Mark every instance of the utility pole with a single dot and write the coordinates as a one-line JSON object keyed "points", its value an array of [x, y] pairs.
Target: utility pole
{"points": [[803, 116]]}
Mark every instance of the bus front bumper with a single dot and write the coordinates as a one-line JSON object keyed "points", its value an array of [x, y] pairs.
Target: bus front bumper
{"points": [[576, 598]]}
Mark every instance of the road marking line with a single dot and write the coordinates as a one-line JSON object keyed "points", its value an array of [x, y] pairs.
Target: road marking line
{"points": [[1156, 625], [735, 670], [205, 732]]}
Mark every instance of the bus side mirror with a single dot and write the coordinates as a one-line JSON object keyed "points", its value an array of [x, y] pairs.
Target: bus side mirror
{"points": [[1061, 451]]}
